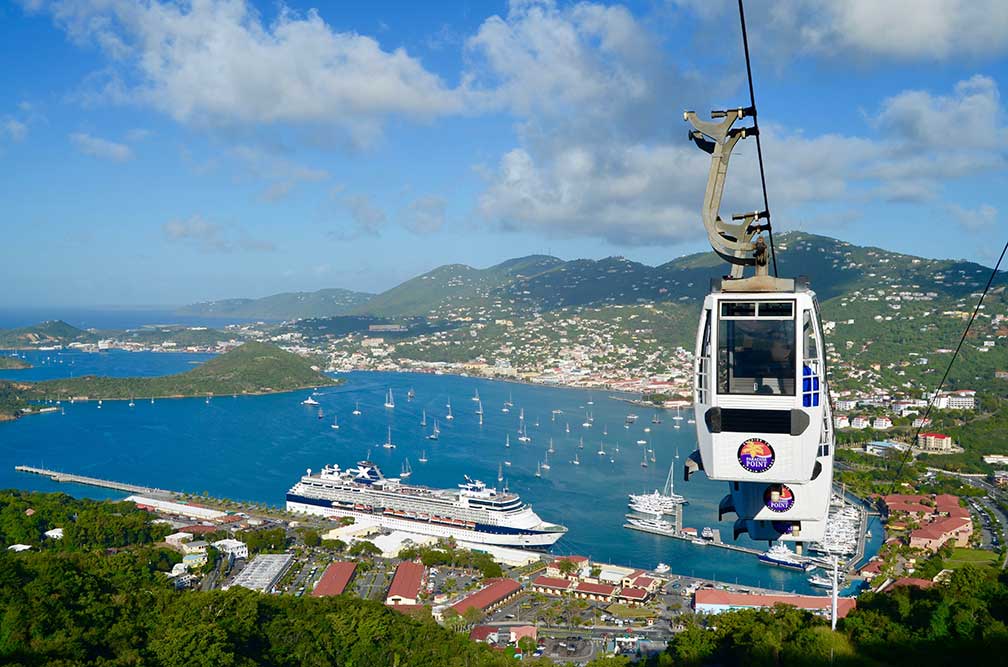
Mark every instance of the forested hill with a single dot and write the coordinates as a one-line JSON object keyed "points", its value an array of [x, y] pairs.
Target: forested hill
{"points": [[252, 368], [286, 306], [542, 283]]}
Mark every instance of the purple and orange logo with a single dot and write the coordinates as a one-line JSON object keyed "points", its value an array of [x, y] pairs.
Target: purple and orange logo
{"points": [[756, 455], [778, 498]]}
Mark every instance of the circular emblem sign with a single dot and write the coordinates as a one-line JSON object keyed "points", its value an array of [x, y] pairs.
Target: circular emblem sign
{"points": [[778, 498], [756, 455]]}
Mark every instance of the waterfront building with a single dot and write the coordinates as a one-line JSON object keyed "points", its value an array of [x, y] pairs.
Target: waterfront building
{"points": [[335, 578], [581, 564], [488, 598], [597, 592], [711, 601], [551, 585], [406, 584], [176, 509]]}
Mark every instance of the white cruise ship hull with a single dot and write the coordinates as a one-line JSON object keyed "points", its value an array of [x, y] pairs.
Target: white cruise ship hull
{"points": [[525, 540]]}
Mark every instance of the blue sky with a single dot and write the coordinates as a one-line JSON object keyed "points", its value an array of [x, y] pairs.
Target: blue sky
{"points": [[165, 153]]}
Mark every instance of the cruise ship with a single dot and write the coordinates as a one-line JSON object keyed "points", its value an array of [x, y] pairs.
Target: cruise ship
{"points": [[472, 513]]}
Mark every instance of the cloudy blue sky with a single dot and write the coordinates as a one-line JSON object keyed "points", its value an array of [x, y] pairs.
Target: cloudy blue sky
{"points": [[163, 152]]}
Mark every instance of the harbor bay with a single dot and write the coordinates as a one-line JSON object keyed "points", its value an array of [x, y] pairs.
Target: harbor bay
{"points": [[254, 448]]}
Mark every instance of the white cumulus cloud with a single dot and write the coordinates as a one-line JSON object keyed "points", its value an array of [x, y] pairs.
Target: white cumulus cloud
{"points": [[101, 148]]}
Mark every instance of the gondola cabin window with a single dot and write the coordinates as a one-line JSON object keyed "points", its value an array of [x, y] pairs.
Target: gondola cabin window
{"points": [[756, 348]]}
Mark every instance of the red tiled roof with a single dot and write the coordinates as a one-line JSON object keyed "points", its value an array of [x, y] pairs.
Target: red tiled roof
{"points": [[335, 579], [199, 529], [874, 566], [643, 582], [939, 528], [487, 596], [406, 582], [481, 632], [572, 559], [810, 602], [934, 435], [631, 593], [596, 589], [913, 581], [551, 582]]}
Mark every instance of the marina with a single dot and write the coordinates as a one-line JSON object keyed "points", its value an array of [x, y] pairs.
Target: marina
{"points": [[252, 448]]}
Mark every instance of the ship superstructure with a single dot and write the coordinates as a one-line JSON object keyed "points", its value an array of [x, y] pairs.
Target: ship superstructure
{"points": [[473, 512]]}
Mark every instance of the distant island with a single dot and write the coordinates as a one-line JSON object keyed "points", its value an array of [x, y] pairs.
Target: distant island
{"points": [[252, 368], [13, 364]]}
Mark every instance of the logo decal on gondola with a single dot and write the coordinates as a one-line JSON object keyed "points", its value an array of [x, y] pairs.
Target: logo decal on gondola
{"points": [[778, 498], [756, 455]]}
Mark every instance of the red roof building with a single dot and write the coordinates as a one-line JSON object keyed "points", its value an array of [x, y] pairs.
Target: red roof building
{"points": [[591, 591], [933, 535], [199, 529], [497, 592], [405, 587], [711, 601], [335, 579], [633, 595], [550, 585], [484, 633]]}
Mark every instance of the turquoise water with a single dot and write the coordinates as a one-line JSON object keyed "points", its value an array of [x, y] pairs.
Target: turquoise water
{"points": [[255, 448]]}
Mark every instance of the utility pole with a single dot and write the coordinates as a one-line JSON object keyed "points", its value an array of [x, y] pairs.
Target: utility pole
{"points": [[835, 585]]}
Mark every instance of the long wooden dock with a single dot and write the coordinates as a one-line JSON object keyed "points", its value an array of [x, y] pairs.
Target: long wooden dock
{"points": [[57, 476], [694, 539]]}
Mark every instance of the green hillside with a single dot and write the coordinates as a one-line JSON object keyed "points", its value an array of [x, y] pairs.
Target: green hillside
{"points": [[53, 332], [252, 368], [452, 286], [12, 363], [286, 306]]}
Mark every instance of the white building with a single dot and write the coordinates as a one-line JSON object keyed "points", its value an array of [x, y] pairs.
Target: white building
{"points": [[860, 422], [842, 421], [845, 405], [197, 547], [882, 423], [178, 539], [231, 547]]}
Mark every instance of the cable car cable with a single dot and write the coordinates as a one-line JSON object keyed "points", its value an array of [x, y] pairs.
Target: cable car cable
{"points": [[948, 368], [759, 148]]}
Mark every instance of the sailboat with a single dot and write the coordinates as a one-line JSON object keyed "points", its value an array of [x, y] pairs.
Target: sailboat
{"points": [[551, 450], [581, 442], [356, 411], [507, 463], [423, 419], [605, 430], [643, 464], [678, 415], [506, 408], [410, 395], [652, 455], [435, 433], [423, 456], [479, 407], [500, 472], [568, 427], [587, 422], [208, 399], [388, 443], [546, 465], [601, 449], [476, 395], [335, 424], [538, 470], [320, 413], [576, 460], [508, 403], [99, 404], [507, 440], [131, 403], [481, 419], [389, 401], [406, 470], [152, 400], [536, 423], [656, 419], [590, 401], [522, 435], [449, 416]]}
